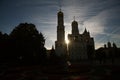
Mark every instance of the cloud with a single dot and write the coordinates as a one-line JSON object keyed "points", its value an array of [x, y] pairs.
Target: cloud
{"points": [[96, 24], [100, 17], [35, 3], [105, 23]]}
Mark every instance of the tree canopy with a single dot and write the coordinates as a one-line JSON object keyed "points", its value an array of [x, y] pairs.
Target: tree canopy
{"points": [[25, 43]]}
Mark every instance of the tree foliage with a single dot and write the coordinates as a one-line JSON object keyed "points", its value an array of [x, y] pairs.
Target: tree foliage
{"points": [[25, 44]]}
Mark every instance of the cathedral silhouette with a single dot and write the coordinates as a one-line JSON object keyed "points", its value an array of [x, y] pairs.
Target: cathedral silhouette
{"points": [[81, 46]]}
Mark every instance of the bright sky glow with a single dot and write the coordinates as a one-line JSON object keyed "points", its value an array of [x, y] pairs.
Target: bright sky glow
{"points": [[67, 41]]}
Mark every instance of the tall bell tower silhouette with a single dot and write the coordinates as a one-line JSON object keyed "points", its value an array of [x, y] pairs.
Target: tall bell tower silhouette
{"points": [[60, 45]]}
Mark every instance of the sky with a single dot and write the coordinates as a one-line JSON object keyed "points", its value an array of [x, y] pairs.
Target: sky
{"points": [[100, 17]]}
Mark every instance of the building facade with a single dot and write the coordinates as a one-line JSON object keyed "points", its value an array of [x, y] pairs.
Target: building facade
{"points": [[81, 46], [110, 53]]}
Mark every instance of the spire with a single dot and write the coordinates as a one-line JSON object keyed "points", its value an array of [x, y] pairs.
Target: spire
{"points": [[60, 10], [60, 6], [85, 31], [60, 26], [74, 18], [60, 17]]}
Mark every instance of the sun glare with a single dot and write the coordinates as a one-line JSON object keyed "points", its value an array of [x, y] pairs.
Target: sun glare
{"points": [[67, 41]]}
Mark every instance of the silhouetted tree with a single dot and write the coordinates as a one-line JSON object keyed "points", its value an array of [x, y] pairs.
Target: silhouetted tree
{"points": [[4, 47], [27, 43]]}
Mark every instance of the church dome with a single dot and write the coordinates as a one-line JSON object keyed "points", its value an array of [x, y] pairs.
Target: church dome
{"points": [[74, 23], [60, 12]]}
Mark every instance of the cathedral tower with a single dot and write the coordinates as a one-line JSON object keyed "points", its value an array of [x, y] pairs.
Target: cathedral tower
{"points": [[77, 46], [81, 46], [60, 45], [60, 27], [75, 30]]}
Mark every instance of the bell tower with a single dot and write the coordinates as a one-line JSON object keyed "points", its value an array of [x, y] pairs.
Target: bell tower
{"points": [[60, 45], [60, 27]]}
